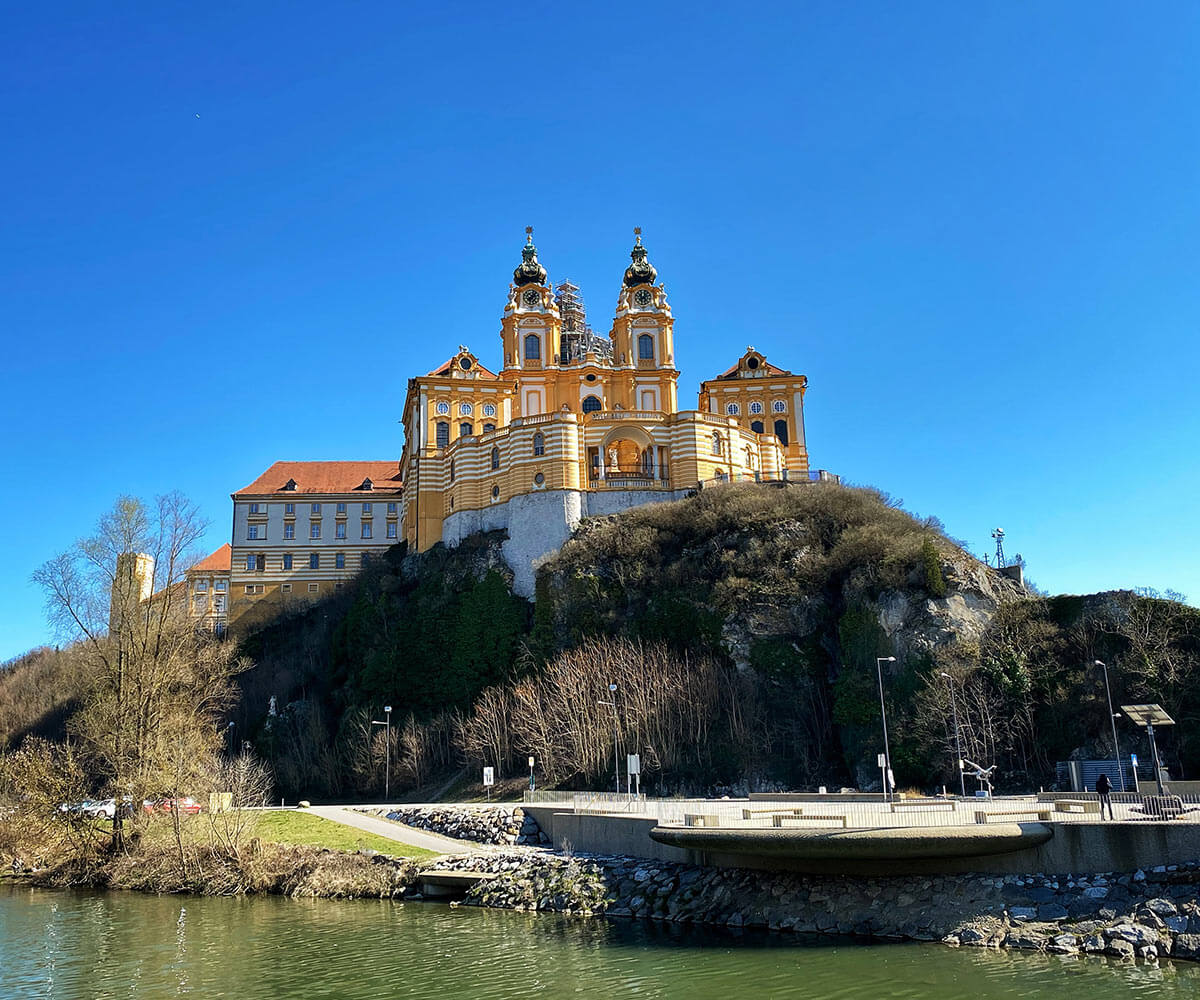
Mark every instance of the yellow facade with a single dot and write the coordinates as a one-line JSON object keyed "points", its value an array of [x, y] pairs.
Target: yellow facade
{"points": [[574, 413]]}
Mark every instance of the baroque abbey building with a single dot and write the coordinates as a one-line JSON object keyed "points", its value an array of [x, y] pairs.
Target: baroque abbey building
{"points": [[573, 424]]}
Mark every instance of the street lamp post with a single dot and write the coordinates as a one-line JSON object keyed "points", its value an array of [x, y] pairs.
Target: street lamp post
{"points": [[612, 690], [531, 774], [962, 779], [887, 755], [387, 749], [1112, 719], [229, 730]]}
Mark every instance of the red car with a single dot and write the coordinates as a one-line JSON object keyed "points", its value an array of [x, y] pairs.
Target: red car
{"points": [[186, 805]]}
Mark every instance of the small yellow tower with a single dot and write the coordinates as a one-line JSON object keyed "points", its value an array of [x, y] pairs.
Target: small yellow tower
{"points": [[133, 584]]}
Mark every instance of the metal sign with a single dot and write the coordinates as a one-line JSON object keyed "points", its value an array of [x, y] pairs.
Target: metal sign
{"points": [[633, 763], [489, 776], [881, 761], [1133, 757]]}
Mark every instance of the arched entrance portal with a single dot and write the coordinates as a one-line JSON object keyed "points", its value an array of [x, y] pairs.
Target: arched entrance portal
{"points": [[628, 457]]}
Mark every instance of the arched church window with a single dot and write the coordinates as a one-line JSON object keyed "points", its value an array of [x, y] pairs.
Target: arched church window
{"points": [[451, 470], [779, 406], [756, 407], [443, 409], [464, 409], [488, 427], [495, 458], [539, 444], [465, 430], [781, 431], [591, 404], [443, 434], [716, 443], [733, 409], [533, 347], [646, 347], [757, 426]]}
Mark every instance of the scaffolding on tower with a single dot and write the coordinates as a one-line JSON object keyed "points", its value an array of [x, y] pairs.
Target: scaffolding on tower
{"points": [[578, 339]]}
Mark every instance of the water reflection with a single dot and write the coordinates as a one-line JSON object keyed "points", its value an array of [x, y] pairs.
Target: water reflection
{"points": [[125, 945]]}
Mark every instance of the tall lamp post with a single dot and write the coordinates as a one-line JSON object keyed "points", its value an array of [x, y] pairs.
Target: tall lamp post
{"points": [[962, 779], [387, 749], [612, 690], [887, 755], [1112, 718]]}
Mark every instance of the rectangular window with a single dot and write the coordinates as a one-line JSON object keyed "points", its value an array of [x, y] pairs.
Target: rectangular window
{"points": [[254, 588], [340, 530], [222, 586], [314, 530], [287, 560], [219, 604], [339, 561], [443, 434], [256, 508], [289, 530], [391, 507], [260, 563], [314, 588], [366, 508], [201, 602], [286, 588], [289, 509], [314, 561], [366, 529], [366, 558], [250, 563], [341, 507], [256, 531], [201, 586], [391, 531], [315, 509]]}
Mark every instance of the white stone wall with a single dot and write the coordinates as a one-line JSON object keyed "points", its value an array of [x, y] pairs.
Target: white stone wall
{"points": [[538, 524]]}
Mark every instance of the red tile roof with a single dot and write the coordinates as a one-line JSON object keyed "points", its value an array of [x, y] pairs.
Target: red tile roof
{"points": [[219, 562], [325, 477]]}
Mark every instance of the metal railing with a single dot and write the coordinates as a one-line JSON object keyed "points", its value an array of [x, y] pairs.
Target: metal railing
{"points": [[835, 812]]}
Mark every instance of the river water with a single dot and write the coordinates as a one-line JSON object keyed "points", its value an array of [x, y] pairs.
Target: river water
{"points": [[68, 945]]}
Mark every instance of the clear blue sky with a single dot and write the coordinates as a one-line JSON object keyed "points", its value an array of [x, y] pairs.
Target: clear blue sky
{"points": [[230, 236]]}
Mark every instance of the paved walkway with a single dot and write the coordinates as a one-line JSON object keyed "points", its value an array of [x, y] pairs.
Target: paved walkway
{"points": [[398, 831]]}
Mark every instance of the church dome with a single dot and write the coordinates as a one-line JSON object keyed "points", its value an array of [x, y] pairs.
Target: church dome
{"points": [[641, 271], [529, 271]]}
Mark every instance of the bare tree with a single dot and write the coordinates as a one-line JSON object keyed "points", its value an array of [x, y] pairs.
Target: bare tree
{"points": [[156, 685]]}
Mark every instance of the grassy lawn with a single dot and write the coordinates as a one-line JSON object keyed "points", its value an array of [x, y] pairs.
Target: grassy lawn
{"points": [[315, 831]]}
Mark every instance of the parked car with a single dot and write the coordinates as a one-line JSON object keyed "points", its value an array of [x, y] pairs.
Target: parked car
{"points": [[185, 804], [107, 808]]}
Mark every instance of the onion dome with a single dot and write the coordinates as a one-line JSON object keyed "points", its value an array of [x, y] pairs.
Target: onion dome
{"points": [[641, 271], [529, 271]]}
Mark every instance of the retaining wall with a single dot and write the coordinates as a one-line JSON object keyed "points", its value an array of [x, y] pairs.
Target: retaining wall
{"points": [[1075, 847]]}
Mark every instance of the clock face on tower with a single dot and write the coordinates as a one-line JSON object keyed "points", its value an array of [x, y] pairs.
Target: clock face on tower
{"points": [[643, 297], [532, 297]]}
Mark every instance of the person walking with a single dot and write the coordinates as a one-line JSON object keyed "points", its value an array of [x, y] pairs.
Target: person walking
{"points": [[1103, 788]]}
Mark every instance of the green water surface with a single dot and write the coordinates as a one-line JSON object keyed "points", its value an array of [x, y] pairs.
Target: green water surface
{"points": [[69, 945]]}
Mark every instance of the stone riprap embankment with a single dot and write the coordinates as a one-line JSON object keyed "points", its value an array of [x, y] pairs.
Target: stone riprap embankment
{"points": [[1145, 914], [485, 825]]}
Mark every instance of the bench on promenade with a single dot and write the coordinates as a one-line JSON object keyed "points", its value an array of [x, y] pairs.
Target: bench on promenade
{"points": [[1077, 805], [924, 804], [837, 818], [1163, 807], [1041, 812], [751, 813], [701, 819]]}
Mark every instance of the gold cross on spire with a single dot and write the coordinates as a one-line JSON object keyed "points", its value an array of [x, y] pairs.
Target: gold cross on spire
{"points": [[637, 231], [529, 234]]}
